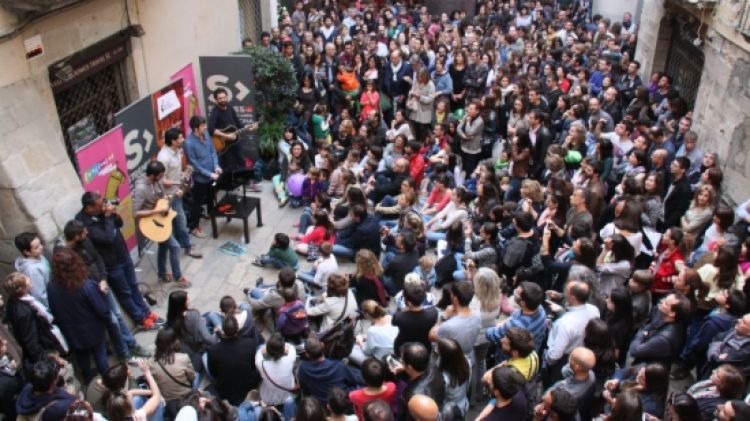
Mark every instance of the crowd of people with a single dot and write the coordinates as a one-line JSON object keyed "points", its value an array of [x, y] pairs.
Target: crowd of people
{"points": [[536, 229]]}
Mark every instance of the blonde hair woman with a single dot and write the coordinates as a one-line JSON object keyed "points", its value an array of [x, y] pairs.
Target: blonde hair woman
{"points": [[486, 302], [701, 210], [368, 278], [378, 341]]}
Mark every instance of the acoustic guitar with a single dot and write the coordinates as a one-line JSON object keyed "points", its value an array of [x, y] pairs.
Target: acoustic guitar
{"points": [[158, 227], [221, 144]]}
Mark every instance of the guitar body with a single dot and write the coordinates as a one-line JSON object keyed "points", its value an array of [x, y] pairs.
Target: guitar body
{"points": [[158, 227], [220, 144]]}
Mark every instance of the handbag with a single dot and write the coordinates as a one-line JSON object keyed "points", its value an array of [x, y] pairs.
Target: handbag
{"points": [[339, 339]]}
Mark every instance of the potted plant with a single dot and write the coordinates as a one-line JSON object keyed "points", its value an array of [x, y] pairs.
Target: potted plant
{"points": [[275, 93]]}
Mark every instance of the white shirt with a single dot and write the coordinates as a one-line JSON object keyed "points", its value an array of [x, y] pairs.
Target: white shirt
{"points": [[280, 371], [326, 267], [172, 160], [567, 332]]}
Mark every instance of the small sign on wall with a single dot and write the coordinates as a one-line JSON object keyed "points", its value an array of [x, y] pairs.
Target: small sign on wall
{"points": [[33, 46]]}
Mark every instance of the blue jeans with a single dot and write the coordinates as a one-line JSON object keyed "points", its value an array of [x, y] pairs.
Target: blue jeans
{"points": [[179, 224], [248, 411], [342, 251], [172, 247], [158, 415], [307, 277], [267, 260], [121, 337], [83, 356], [121, 279], [305, 220]]}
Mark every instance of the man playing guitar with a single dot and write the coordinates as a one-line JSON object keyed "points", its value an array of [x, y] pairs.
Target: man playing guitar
{"points": [[149, 188], [223, 116], [174, 179]]}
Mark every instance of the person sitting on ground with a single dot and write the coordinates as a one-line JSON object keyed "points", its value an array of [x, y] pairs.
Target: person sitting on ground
{"points": [[275, 362], [172, 369], [412, 321], [136, 404], [400, 265], [325, 266], [373, 374], [378, 341], [318, 374], [335, 304], [413, 278], [280, 255], [231, 363], [291, 318], [263, 298]]}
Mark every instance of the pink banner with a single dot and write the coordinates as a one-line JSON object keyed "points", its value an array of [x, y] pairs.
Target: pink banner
{"points": [[104, 169], [190, 106]]}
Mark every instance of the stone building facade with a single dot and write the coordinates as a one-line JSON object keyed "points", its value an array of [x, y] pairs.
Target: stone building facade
{"points": [[705, 47], [39, 188]]}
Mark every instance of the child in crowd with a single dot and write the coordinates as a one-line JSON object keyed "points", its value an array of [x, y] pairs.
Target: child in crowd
{"points": [[292, 320], [311, 186], [325, 266], [416, 279], [280, 255], [426, 270]]}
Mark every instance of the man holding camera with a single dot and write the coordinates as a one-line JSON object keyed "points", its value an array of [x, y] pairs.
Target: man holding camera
{"points": [[103, 223]]}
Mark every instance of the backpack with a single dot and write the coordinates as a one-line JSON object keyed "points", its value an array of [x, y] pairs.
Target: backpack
{"points": [[292, 318]]}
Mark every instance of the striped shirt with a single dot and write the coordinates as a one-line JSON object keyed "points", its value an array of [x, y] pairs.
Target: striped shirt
{"points": [[535, 323]]}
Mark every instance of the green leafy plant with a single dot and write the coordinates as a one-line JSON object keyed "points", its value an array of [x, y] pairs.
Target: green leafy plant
{"points": [[275, 93]]}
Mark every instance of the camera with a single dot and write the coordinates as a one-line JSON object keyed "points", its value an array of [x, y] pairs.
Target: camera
{"points": [[113, 202]]}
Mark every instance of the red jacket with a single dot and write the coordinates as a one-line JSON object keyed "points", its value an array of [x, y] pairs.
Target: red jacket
{"points": [[416, 168], [665, 269]]}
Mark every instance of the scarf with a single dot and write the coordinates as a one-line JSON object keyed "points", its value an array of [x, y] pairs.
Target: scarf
{"points": [[38, 307], [395, 70]]}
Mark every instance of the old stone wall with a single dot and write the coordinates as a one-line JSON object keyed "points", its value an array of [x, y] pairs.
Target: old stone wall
{"points": [[722, 108], [722, 113]]}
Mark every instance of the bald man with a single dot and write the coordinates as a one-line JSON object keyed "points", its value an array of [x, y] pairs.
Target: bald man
{"points": [[578, 374], [423, 408]]}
